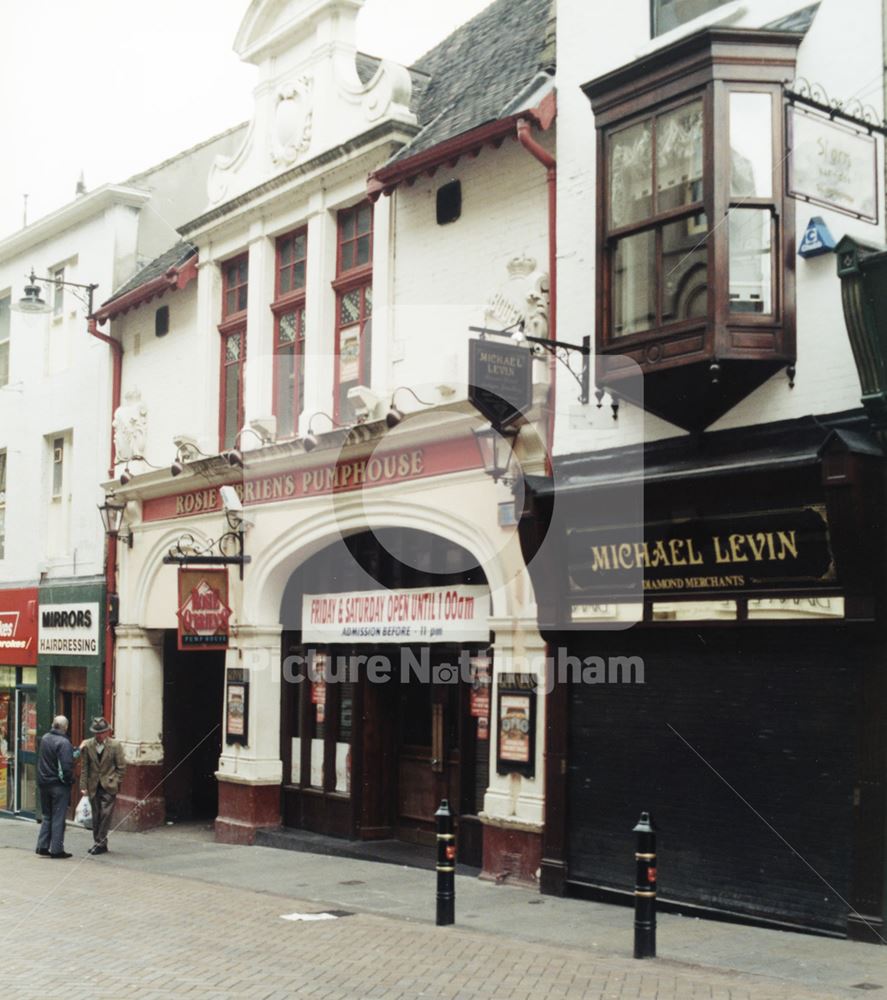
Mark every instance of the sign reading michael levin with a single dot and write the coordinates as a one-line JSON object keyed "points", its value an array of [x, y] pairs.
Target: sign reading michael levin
{"points": [[434, 614], [68, 630], [500, 380]]}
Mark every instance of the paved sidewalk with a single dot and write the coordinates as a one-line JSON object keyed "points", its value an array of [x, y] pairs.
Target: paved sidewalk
{"points": [[215, 930]]}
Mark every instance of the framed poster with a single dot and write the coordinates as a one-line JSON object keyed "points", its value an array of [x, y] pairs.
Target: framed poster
{"points": [[516, 731], [237, 707]]}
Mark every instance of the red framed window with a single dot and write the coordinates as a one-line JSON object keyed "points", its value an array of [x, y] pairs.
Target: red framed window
{"points": [[354, 305], [235, 286], [289, 331]]}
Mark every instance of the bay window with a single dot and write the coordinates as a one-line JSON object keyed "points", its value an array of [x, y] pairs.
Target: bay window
{"points": [[695, 232], [289, 331], [232, 329], [354, 305]]}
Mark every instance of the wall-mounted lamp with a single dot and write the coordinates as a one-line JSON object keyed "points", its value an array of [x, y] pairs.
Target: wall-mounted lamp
{"points": [[261, 429], [186, 451], [311, 440], [125, 476], [31, 302], [230, 545], [111, 513], [497, 450], [394, 415]]}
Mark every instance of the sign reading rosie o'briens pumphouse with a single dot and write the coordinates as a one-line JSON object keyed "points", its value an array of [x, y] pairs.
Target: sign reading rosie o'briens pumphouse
{"points": [[735, 552]]}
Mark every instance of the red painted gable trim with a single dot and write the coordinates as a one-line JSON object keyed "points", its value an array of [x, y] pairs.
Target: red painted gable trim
{"points": [[386, 179], [174, 278]]}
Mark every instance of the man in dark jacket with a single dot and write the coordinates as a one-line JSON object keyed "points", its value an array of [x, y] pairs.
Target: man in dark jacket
{"points": [[55, 775]]}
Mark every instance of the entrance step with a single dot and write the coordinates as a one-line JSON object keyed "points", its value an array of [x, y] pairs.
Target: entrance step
{"points": [[389, 852]]}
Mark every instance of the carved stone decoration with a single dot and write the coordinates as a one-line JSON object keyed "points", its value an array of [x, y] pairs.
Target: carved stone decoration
{"points": [[293, 116], [130, 427], [522, 300]]}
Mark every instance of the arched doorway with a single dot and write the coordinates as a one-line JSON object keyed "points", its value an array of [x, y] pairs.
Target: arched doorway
{"points": [[386, 661]]}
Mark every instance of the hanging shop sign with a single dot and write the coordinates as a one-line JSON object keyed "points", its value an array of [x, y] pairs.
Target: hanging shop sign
{"points": [[382, 467], [18, 627], [203, 613], [737, 552], [516, 728], [500, 380], [69, 629], [237, 706], [434, 614], [833, 165]]}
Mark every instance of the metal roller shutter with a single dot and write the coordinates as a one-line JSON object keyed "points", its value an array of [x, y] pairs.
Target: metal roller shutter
{"points": [[773, 711]]}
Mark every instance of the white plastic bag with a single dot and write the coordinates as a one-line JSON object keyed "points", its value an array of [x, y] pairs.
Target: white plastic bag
{"points": [[83, 813]]}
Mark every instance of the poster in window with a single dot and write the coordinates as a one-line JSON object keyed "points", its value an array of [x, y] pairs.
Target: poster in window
{"points": [[516, 732], [481, 680], [237, 706], [349, 354], [318, 698], [29, 726]]}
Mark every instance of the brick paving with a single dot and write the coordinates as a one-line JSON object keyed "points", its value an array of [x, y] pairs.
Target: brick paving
{"points": [[86, 929]]}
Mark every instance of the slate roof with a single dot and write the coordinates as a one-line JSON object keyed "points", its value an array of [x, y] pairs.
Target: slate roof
{"points": [[174, 257], [478, 70], [800, 21]]}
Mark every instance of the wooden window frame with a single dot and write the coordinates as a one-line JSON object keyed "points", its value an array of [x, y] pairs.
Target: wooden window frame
{"points": [[291, 301], [357, 278], [711, 64], [233, 324]]}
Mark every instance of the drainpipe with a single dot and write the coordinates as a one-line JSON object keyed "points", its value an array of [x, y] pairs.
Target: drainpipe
{"points": [[525, 138], [111, 558]]}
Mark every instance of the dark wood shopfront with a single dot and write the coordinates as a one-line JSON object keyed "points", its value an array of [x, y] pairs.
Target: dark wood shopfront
{"points": [[757, 738], [371, 753]]}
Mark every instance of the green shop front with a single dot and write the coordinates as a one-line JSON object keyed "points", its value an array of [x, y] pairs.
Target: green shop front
{"points": [[70, 654]]}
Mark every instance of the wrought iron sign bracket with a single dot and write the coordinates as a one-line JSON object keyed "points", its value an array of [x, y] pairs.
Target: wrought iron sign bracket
{"points": [[187, 552], [559, 348], [853, 111]]}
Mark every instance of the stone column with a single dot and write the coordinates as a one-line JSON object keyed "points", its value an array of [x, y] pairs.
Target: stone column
{"points": [[250, 776], [514, 805], [138, 724]]}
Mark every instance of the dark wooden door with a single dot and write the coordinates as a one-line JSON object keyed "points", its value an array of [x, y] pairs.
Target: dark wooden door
{"points": [[428, 758]]}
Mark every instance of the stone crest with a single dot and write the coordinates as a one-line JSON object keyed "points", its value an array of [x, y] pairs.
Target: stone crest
{"points": [[130, 427], [293, 116], [521, 301]]}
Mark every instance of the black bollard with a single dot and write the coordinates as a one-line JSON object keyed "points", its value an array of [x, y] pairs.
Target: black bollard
{"points": [[446, 866], [645, 889]]}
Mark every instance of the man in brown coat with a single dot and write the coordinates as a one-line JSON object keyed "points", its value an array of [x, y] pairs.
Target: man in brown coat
{"points": [[102, 763]]}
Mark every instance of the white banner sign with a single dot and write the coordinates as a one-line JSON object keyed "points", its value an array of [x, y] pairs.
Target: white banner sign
{"points": [[433, 614], [68, 630], [833, 165]]}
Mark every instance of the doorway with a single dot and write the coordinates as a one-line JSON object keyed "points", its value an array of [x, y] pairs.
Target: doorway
{"points": [[25, 760], [193, 692], [427, 747], [70, 701]]}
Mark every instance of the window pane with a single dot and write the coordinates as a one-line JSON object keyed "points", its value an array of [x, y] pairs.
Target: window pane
{"points": [[299, 274], [2, 477], [668, 14], [232, 387], [286, 328], [364, 219], [631, 175], [634, 275], [349, 307], [679, 157], [241, 297], [285, 273], [349, 354], [363, 250], [58, 459], [750, 261], [285, 361], [4, 318], [368, 301], [347, 256], [4, 362], [684, 270], [751, 145], [232, 348], [286, 251], [299, 246], [343, 745]]}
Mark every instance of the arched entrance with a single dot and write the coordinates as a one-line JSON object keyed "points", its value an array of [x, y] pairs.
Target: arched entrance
{"points": [[386, 660]]}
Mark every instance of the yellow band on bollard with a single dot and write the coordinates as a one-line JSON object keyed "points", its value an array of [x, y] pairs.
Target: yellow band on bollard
{"points": [[644, 857], [644, 892], [440, 868], [446, 836]]}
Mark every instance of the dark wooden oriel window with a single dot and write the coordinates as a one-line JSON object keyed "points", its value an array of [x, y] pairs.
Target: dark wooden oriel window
{"points": [[695, 232], [232, 329], [289, 331], [354, 305]]}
